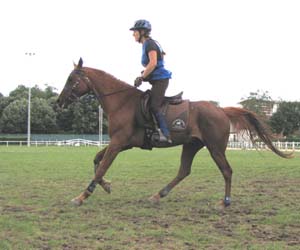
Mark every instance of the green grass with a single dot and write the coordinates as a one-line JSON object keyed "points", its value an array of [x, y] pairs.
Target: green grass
{"points": [[37, 184]]}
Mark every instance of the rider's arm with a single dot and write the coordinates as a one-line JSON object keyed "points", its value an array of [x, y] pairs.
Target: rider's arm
{"points": [[152, 54]]}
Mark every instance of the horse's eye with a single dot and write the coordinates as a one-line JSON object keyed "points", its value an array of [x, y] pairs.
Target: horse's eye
{"points": [[70, 79]]}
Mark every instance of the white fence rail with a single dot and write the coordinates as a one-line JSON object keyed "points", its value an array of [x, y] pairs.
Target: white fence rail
{"points": [[81, 142], [73, 142], [260, 145]]}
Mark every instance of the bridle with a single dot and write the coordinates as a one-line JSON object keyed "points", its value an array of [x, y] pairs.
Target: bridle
{"points": [[73, 96]]}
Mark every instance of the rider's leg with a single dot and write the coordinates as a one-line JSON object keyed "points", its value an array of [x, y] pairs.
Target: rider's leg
{"points": [[157, 96], [162, 124]]}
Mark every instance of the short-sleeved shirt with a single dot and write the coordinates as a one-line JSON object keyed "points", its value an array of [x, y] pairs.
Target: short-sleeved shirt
{"points": [[159, 72]]}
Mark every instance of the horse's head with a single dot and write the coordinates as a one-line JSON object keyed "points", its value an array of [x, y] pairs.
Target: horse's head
{"points": [[75, 87]]}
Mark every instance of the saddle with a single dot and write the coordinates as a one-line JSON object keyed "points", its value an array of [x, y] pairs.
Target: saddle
{"points": [[175, 110], [145, 103]]}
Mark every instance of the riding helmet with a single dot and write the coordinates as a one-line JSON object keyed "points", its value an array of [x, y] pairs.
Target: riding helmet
{"points": [[141, 24]]}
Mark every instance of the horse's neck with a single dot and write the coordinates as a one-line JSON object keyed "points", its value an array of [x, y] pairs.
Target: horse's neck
{"points": [[106, 87]]}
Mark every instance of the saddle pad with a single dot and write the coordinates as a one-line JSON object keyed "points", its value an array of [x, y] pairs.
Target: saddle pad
{"points": [[177, 116]]}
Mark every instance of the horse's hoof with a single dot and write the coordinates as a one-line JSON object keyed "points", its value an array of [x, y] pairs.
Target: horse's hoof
{"points": [[107, 187], [155, 199], [227, 201], [77, 202], [224, 204]]}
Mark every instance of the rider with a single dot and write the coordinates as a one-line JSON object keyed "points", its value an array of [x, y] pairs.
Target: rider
{"points": [[154, 73]]}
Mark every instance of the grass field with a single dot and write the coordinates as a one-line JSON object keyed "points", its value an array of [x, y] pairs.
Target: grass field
{"points": [[37, 184]]}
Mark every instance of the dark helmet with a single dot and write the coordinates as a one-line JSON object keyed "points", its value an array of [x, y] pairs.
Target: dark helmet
{"points": [[141, 24]]}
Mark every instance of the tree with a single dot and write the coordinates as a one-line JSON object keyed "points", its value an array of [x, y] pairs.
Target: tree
{"points": [[43, 118], [4, 101], [14, 117], [49, 92], [85, 116], [64, 119], [259, 102], [81, 116], [46, 117], [286, 120], [22, 92]]}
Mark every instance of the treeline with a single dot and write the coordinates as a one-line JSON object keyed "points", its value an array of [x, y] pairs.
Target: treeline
{"points": [[81, 117], [282, 116]]}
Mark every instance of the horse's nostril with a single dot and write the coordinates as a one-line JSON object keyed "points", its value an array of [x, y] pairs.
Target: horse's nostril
{"points": [[59, 103]]}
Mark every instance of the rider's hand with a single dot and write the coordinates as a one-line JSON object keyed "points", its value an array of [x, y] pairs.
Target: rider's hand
{"points": [[138, 81]]}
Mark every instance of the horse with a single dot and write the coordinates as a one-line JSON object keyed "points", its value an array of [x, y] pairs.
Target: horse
{"points": [[207, 126]]}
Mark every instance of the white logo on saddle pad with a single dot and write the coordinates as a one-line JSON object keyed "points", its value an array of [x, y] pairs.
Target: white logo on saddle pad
{"points": [[178, 124]]}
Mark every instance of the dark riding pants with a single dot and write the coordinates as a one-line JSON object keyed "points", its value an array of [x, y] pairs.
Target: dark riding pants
{"points": [[158, 89]]}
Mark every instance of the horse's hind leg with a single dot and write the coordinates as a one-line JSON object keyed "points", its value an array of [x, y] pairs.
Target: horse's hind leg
{"points": [[188, 152], [221, 161], [106, 185]]}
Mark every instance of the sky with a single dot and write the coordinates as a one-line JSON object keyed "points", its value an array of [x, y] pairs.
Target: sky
{"points": [[217, 50]]}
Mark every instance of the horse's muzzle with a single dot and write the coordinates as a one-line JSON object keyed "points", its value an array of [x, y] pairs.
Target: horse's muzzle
{"points": [[61, 103]]}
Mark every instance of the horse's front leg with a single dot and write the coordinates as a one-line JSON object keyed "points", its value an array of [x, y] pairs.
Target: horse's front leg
{"points": [[98, 158], [110, 154]]}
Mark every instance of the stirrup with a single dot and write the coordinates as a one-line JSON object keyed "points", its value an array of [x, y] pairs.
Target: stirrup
{"points": [[163, 138]]}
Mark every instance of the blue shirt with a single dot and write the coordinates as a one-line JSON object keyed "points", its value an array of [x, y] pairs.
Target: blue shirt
{"points": [[159, 72]]}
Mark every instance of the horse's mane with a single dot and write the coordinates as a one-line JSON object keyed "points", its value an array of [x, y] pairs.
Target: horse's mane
{"points": [[101, 74]]}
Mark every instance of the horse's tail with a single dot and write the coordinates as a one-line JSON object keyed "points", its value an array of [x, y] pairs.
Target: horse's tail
{"points": [[243, 119]]}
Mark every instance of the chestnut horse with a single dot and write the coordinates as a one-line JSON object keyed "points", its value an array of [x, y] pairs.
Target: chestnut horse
{"points": [[207, 126]]}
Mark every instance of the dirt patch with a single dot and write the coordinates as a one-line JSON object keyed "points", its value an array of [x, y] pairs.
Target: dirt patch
{"points": [[290, 235], [156, 243], [15, 209]]}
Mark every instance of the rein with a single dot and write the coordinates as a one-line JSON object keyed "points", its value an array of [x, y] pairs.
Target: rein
{"points": [[88, 82], [115, 92]]}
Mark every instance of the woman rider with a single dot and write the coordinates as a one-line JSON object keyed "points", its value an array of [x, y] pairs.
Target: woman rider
{"points": [[154, 73]]}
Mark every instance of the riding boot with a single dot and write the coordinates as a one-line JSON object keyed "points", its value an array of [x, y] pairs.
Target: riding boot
{"points": [[164, 133]]}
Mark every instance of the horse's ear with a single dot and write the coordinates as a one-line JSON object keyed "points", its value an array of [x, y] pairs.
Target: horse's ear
{"points": [[79, 65], [80, 62]]}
